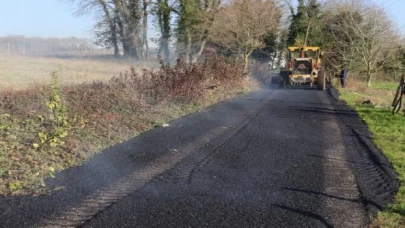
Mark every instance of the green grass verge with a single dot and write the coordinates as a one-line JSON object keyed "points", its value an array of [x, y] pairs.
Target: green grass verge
{"points": [[385, 85], [389, 135]]}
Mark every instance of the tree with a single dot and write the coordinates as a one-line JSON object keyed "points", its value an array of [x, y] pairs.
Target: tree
{"points": [[145, 44], [313, 13], [268, 52], [242, 25], [107, 33], [120, 22], [105, 29], [339, 51], [364, 35], [187, 20], [128, 17], [302, 31], [396, 66], [298, 25], [163, 12], [195, 18]]}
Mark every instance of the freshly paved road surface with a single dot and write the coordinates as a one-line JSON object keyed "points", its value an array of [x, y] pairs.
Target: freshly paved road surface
{"points": [[275, 158]]}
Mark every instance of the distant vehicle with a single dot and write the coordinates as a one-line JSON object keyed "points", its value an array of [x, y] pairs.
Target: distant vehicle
{"points": [[304, 68]]}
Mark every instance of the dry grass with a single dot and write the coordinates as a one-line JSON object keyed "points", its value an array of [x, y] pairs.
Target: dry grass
{"points": [[22, 72]]}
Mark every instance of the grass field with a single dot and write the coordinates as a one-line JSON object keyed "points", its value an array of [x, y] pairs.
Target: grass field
{"points": [[385, 85], [21, 72], [388, 134]]}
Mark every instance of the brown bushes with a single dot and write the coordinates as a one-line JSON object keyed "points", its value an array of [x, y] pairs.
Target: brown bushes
{"points": [[187, 82]]}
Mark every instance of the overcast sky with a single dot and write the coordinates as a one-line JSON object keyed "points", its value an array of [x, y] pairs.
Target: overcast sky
{"points": [[55, 18]]}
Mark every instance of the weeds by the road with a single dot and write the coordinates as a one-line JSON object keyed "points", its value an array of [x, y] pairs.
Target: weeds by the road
{"points": [[389, 135], [46, 129]]}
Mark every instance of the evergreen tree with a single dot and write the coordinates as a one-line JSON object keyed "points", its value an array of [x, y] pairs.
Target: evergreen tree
{"points": [[187, 19], [163, 14], [304, 23], [298, 25]]}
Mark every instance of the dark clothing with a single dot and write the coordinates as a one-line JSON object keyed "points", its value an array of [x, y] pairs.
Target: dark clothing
{"points": [[343, 76], [342, 82]]}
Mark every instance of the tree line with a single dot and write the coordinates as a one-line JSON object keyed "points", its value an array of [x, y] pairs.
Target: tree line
{"points": [[357, 34], [194, 26], [46, 44], [38, 46]]}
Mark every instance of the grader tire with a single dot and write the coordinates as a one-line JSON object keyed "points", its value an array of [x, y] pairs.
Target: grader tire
{"points": [[321, 81]]}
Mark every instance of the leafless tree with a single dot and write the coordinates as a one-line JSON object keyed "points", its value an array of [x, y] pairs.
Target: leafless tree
{"points": [[106, 28], [123, 18], [364, 35], [241, 25]]}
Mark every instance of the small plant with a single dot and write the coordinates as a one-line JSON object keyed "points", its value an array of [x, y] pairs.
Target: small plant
{"points": [[57, 129], [14, 186], [55, 104]]}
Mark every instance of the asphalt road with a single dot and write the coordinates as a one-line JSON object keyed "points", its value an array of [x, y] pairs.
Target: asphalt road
{"points": [[274, 158]]}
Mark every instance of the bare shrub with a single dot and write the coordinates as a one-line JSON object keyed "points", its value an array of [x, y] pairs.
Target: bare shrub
{"points": [[183, 81]]}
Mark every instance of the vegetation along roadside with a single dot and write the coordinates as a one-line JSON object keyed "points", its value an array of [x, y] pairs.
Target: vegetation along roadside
{"points": [[51, 128]]}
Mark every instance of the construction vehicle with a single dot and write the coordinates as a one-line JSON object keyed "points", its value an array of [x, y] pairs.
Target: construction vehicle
{"points": [[304, 68]]}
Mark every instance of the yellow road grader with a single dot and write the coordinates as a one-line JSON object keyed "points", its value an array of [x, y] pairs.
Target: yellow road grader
{"points": [[304, 68]]}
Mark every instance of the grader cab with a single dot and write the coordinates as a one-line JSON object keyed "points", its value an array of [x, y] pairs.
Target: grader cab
{"points": [[304, 68]]}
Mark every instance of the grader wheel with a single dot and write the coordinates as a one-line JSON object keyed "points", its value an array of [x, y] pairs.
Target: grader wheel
{"points": [[321, 80]]}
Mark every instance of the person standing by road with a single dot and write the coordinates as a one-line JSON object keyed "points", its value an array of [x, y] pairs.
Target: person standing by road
{"points": [[343, 76]]}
